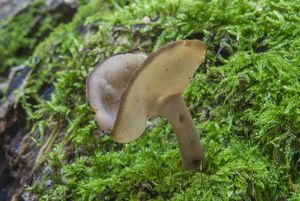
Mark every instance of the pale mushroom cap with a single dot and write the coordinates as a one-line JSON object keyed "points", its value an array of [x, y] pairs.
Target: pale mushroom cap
{"points": [[106, 84], [165, 72]]}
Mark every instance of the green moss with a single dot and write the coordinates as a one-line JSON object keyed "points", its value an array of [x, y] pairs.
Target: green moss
{"points": [[13, 37], [20, 34], [243, 101]]}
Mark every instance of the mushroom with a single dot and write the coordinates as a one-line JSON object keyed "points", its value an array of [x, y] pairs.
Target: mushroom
{"points": [[154, 89]]}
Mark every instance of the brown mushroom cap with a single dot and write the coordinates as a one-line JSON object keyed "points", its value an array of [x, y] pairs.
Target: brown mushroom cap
{"points": [[106, 84], [165, 73]]}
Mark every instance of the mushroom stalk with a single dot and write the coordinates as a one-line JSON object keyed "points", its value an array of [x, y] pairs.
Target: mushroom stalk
{"points": [[173, 108]]}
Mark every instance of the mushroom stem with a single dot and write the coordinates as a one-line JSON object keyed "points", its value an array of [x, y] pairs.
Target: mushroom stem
{"points": [[173, 108]]}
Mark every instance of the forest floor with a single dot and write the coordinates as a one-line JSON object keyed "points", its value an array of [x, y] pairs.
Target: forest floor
{"points": [[244, 100]]}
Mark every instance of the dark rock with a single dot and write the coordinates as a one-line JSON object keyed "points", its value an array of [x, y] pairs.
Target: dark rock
{"points": [[47, 91], [17, 78]]}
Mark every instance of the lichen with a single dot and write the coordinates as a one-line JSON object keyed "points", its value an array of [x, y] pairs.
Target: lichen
{"points": [[244, 101]]}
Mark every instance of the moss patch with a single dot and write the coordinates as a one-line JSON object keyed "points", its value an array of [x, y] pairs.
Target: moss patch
{"points": [[20, 34], [244, 101]]}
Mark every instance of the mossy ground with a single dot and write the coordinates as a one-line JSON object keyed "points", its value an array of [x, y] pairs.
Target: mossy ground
{"points": [[20, 34], [244, 100]]}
